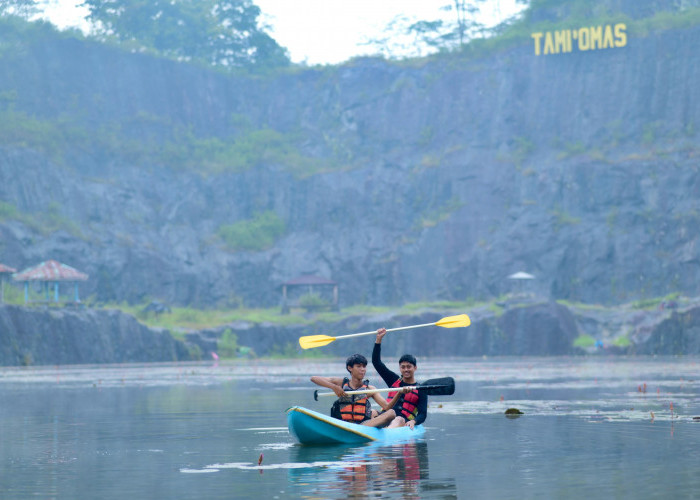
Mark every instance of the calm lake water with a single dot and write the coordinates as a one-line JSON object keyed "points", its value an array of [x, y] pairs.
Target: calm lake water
{"points": [[591, 427]]}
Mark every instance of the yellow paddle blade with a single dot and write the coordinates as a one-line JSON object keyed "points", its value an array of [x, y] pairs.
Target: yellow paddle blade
{"points": [[454, 321], [315, 341]]}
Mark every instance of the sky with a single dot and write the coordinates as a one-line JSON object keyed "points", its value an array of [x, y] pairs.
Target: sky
{"points": [[324, 31]]}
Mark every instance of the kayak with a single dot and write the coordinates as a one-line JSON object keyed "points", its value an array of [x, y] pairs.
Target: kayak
{"points": [[312, 427]]}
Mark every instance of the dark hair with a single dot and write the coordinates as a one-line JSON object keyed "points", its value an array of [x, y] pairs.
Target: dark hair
{"points": [[409, 358], [356, 359]]}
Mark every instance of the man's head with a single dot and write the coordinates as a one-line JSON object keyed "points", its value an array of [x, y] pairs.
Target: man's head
{"points": [[355, 359], [407, 366], [409, 358]]}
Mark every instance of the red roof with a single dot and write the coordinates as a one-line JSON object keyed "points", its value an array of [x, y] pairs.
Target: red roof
{"points": [[50, 271], [308, 279], [7, 269]]}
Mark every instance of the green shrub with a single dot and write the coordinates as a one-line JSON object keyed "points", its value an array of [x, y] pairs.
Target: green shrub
{"points": [[7, 211], [584, 341], [194, 351], [254, 234], [311, 300], [227, 346], [622, 342], [652, 303]]}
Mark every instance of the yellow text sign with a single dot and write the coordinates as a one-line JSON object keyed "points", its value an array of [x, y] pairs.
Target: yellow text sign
{"points": [[609, 36]]}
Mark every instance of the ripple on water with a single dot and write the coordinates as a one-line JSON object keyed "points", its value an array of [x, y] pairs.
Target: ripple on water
{"points": [[610, 409], [285, 465]]}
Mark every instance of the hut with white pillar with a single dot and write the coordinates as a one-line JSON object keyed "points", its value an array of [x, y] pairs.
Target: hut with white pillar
{"points": [[521, 278]]}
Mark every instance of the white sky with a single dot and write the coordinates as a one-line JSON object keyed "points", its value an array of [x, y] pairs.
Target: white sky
{"points": [[322, 31]]}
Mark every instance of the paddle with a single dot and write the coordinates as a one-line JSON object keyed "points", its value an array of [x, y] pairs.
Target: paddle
{"points": [[310, 341], [434, 387]]}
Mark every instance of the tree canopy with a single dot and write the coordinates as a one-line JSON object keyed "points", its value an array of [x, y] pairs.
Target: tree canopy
{"points": [[453, 32], [222, 33]]}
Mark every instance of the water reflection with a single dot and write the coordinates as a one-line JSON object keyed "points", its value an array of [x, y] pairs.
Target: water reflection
{"points": [[395, 470]]}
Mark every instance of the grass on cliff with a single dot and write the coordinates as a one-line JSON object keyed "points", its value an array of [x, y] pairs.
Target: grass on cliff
{"points": [[153, 140], [45, 223], [586, 341], [180, 319], [258, 233], [188, 318]]}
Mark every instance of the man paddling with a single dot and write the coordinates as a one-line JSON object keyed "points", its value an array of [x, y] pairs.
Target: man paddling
{"points": [[356, 408], [411, 407]]}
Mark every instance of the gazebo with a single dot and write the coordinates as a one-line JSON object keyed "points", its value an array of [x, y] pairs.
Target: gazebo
{"points": [[48, 272], [292, 289], [3, 271], [521, 277]]}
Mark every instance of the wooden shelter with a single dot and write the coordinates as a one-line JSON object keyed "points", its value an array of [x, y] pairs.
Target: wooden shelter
{"points": [[307, 284], [49, 272], [4, 270]]}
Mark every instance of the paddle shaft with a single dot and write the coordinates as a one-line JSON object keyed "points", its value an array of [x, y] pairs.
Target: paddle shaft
{"points": [[437, 387], [388, 330], [366, 391]]}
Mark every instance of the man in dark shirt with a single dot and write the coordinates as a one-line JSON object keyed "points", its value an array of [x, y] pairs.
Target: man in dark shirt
{"points": [[412, 408]]}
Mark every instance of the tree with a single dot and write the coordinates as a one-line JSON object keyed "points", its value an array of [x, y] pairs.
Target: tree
{"points": [[426, 32], [466, 13], [218, 32], [412, 37]]}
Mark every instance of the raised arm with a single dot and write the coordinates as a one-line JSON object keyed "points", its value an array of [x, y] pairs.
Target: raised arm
{"points": [[387, 375]]}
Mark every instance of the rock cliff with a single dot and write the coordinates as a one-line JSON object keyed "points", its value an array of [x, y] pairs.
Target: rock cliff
{"points": [[432, 180], [50, 336]]}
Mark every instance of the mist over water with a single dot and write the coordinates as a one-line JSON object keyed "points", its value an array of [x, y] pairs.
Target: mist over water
{"points": [[591, 426]]}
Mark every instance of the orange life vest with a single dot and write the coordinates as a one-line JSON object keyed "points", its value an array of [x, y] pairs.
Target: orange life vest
{"points": [[355, 408], [408, 402]]}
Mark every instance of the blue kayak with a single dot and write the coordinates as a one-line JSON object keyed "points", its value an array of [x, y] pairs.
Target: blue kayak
{"points": [[312, 427]]}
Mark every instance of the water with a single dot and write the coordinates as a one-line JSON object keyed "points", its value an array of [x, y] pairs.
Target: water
{"points": [[590, 428]]}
